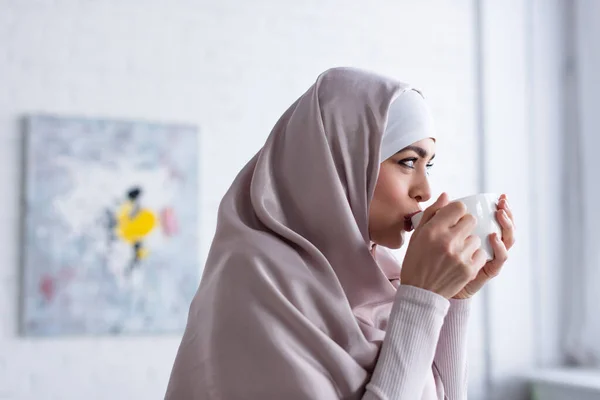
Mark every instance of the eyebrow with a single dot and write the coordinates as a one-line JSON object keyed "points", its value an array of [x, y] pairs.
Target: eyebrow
{"points": [[419, 150]]}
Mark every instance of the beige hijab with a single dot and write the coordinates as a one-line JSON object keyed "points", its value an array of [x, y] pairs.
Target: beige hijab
{"points": [[292, 305]]}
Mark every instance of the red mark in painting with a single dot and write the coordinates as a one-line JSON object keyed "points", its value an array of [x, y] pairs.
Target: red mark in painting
{"points": [[169, 221], [47, 288]]}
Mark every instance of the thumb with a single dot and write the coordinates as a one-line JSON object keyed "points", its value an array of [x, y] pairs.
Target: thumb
{"points": [[430, 211]]}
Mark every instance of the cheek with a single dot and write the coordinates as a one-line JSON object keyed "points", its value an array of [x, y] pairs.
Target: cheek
{"points": [[390, 193]]}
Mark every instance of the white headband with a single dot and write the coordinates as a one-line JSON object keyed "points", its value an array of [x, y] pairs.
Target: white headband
{"points": [[409, 120]]}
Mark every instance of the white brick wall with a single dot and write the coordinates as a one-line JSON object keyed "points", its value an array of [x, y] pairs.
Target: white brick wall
{"points": [[229, 66]]}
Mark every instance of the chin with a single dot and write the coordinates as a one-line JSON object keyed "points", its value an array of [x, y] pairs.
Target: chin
{"points": [[393, 243]]}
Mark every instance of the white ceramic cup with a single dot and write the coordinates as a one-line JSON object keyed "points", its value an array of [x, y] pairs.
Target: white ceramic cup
{"points": [[483, 207]]}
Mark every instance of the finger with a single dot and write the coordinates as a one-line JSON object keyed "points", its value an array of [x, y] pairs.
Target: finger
{"points": [[503, 205], [481, 278], [493, 268], [465, 226], [451, 213], [508, 230], [472, 244], [434, 208], [479, 260]]}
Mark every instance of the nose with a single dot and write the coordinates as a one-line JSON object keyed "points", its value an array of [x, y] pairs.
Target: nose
{"points": [[421, 190]]}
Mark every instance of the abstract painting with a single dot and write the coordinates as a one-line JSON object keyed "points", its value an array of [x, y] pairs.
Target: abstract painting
{"points": [[110, 226]]}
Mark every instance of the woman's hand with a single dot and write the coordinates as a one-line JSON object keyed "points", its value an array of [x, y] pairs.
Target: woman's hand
{"points": [[505, 217], [443, 256]]}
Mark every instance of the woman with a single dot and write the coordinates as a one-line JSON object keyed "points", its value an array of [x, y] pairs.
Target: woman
{"points": [[300, 298]]}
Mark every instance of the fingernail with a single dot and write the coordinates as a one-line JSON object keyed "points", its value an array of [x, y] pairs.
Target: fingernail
{"points": [[497, 237]]}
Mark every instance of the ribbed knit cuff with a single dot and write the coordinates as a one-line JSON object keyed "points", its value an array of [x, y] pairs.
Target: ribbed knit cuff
{"points": [[460, 306], [409, 347], [451, 354]]}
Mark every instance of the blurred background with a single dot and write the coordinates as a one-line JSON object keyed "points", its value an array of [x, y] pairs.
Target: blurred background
{"points": [[122, 123]]}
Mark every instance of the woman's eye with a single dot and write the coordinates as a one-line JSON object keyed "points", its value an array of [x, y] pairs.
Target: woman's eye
{"points": [[428, 168], [409, 163]]}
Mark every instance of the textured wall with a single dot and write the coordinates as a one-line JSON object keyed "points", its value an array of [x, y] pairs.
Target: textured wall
{"points": [[230, 67]]}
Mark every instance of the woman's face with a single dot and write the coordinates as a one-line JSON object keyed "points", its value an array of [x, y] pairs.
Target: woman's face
{"points": [[402, 184]]}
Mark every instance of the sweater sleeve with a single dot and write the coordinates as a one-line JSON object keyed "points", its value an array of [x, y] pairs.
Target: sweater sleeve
{"points": [[450, 359], [408, 349]]}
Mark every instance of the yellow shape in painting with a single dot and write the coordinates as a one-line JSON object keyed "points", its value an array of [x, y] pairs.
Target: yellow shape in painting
{"points": [[133, 229], [142, 253]]}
